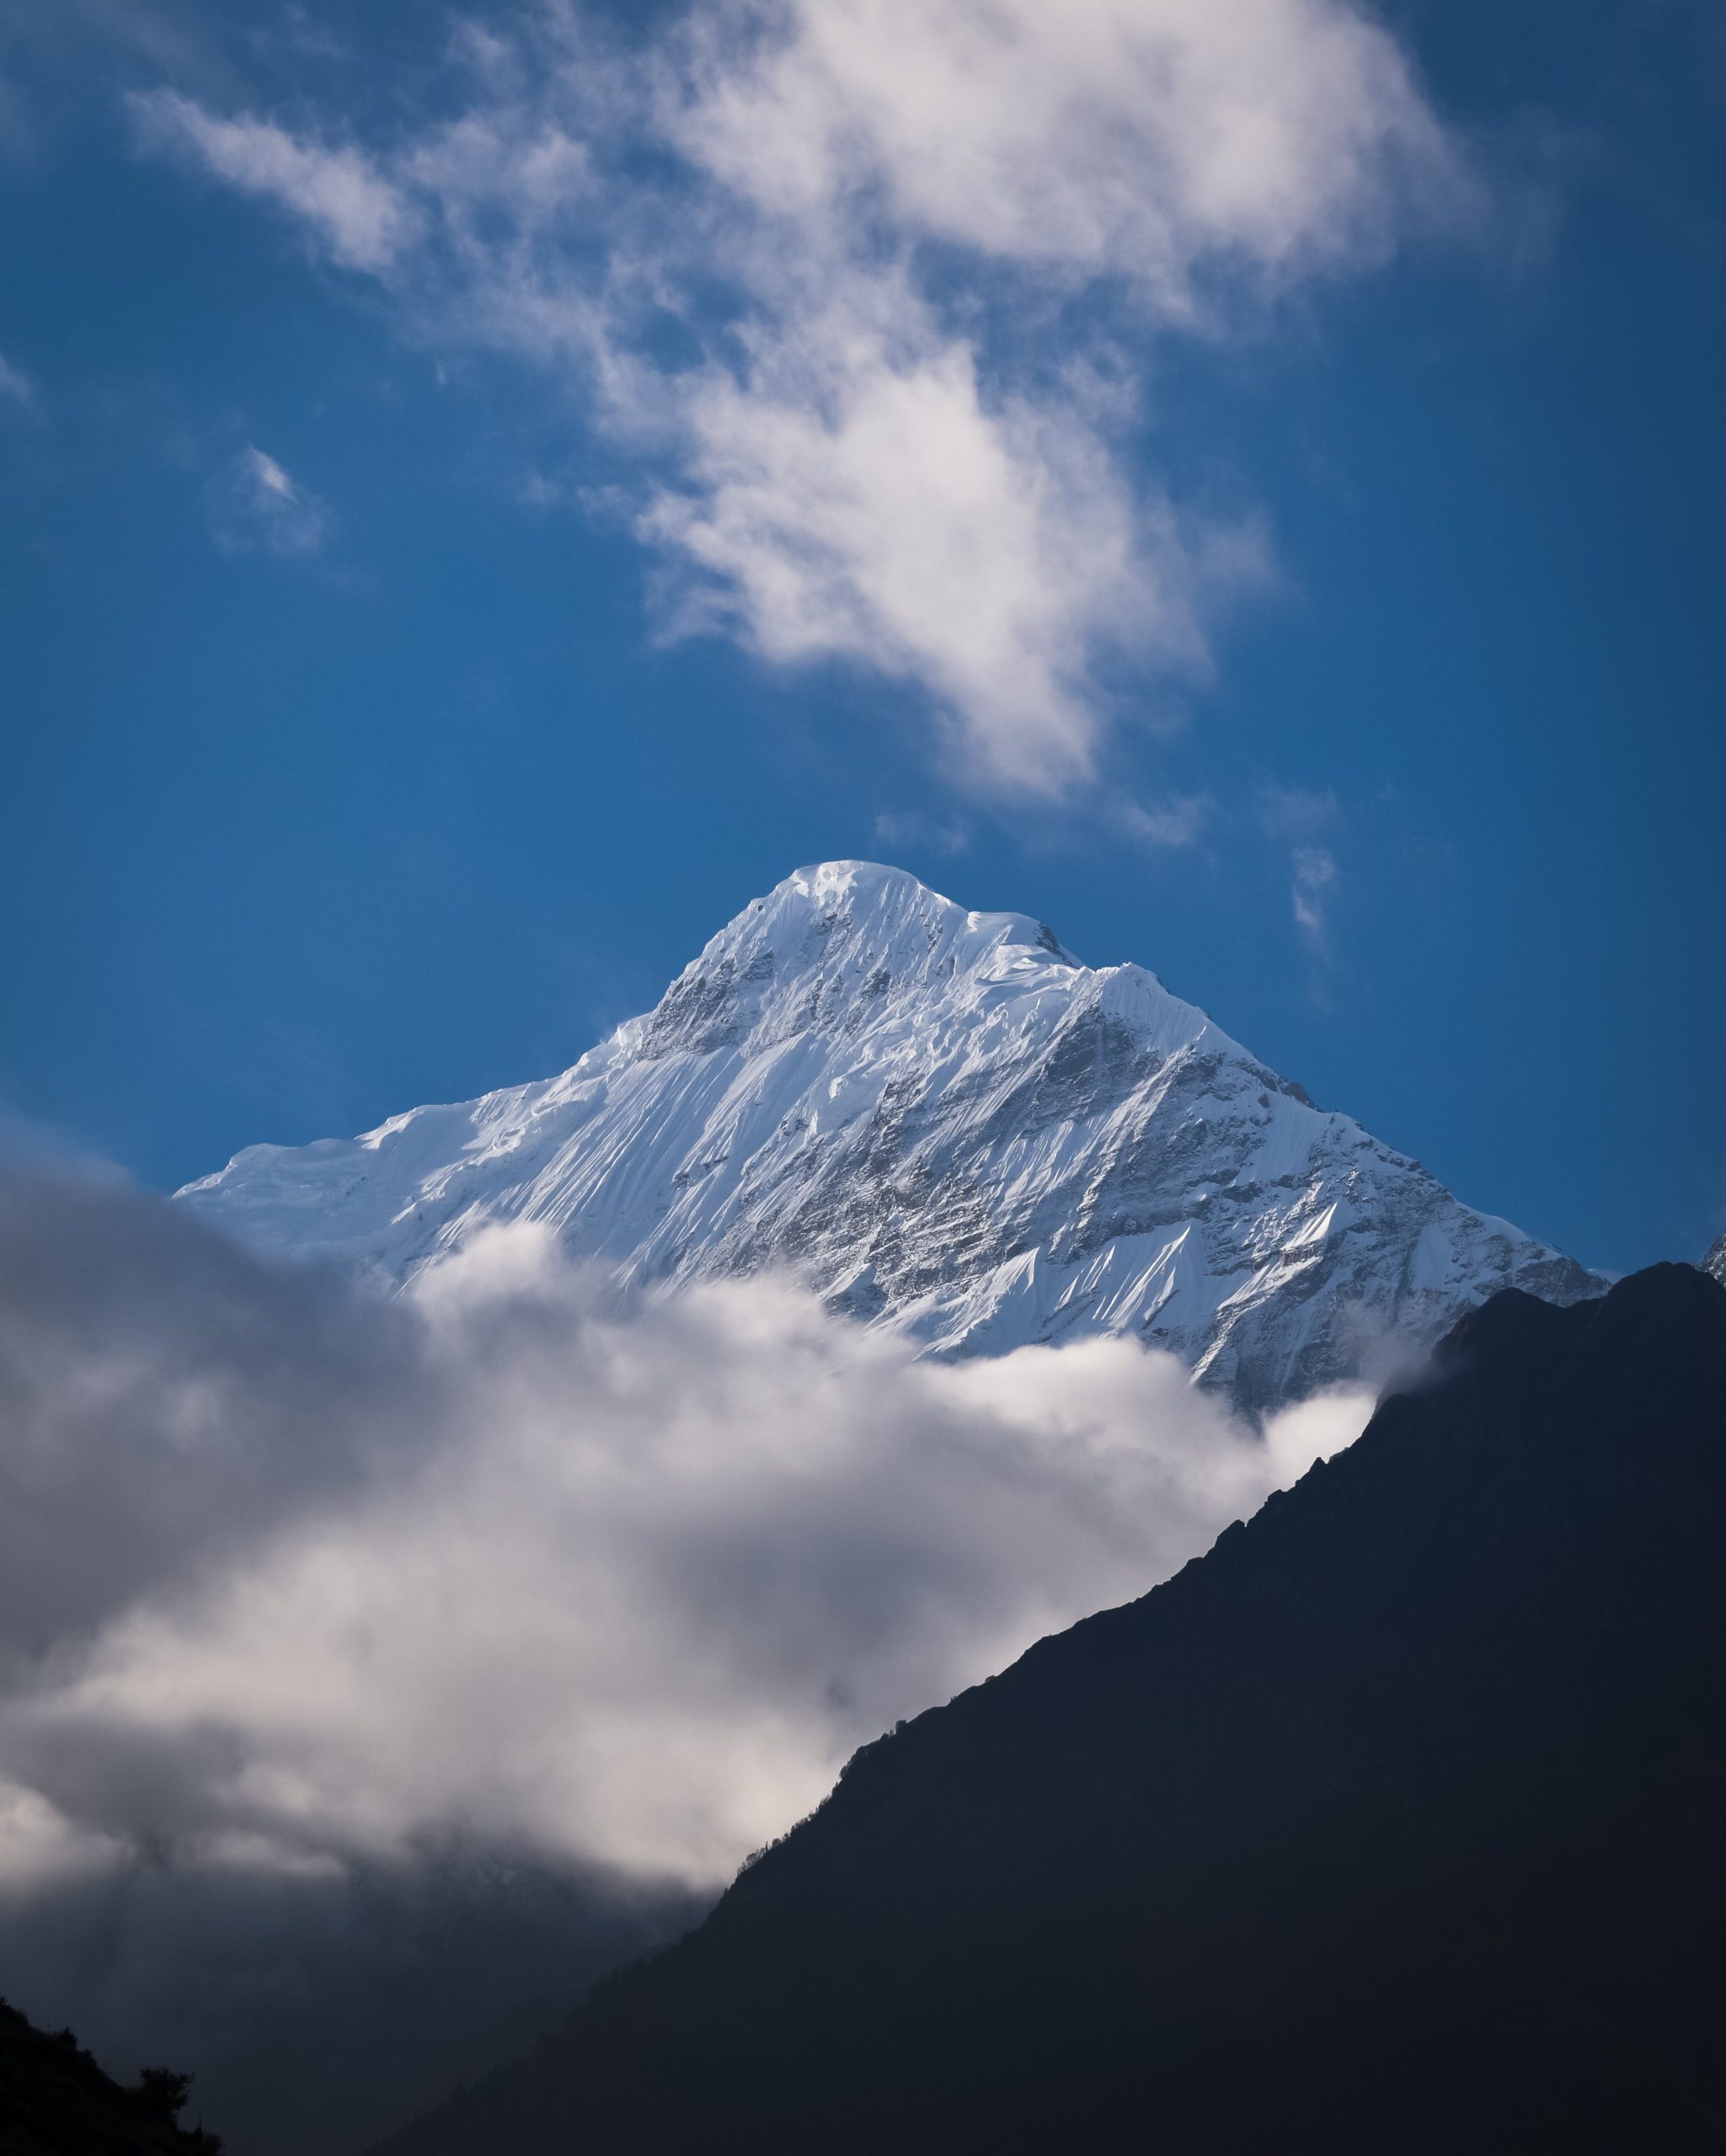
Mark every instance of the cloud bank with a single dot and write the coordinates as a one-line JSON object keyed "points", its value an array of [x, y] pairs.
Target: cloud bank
{"points": [[320, 1616], [866, 293]]}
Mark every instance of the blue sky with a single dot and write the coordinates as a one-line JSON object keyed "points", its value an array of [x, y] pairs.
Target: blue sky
{"points": [[464, 532]]}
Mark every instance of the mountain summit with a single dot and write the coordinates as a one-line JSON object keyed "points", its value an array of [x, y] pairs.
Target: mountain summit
{"points": [[949, 1125]]}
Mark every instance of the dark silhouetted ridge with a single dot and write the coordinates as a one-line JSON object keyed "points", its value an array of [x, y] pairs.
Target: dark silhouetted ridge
{"points": [[55, 2101], [1393, 1824]]}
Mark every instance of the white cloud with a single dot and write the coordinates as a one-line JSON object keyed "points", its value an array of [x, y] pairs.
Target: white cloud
{"points": [[1170, 825], [851, 324], [1312, 889], [854, 503], [901, 829], [603, 1582], [1305, 818], [356, 214], [340, 1637], [16, 387], [1298, 813], [1160, 140], [255, 507]]}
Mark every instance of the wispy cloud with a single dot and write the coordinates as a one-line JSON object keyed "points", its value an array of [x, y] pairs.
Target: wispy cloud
{"points": [[16, 387], [1178, 822], [359, 218], [256, 508], [1312, 888], [1298, 812], [1305, 819], [838, 277], [896, 829]]}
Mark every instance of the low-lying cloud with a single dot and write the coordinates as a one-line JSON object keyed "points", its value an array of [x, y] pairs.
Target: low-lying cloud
{"points": [[317, 1603]]}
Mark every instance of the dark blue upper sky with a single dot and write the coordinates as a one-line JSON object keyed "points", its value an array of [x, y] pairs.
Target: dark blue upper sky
{"points": [[352, 759]]}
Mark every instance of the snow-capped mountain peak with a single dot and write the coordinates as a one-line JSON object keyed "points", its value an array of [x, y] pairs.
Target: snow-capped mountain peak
{"points": [[849, 950], [949, 1125]]}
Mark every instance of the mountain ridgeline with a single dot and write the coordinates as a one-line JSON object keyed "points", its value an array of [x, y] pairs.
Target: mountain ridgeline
{"points": [[1391, 1824], [55, 2101], [950, 1127]]}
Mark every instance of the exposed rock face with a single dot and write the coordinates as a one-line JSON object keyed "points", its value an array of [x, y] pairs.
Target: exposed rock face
{"points": [[1715, 1262], [952, 1128]]}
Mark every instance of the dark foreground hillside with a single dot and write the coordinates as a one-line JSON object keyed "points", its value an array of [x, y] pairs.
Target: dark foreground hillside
{"points": [[1393, 1824], [55, 2101]]}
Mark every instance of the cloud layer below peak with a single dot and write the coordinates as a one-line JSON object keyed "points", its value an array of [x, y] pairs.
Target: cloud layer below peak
{"points": [[315, 1608], [619, 1584]]}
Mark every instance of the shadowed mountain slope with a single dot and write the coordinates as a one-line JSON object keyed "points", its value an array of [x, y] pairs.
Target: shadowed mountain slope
{"points": [[1393, 1823], [55, 2101]]}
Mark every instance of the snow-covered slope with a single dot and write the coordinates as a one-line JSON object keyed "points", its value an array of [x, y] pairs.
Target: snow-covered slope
{"points": [[1715, 1262], [951, 1127]]}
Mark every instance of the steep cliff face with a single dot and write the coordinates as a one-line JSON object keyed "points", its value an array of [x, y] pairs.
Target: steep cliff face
{"points": [[952, 1128], [1391, 1824]]}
